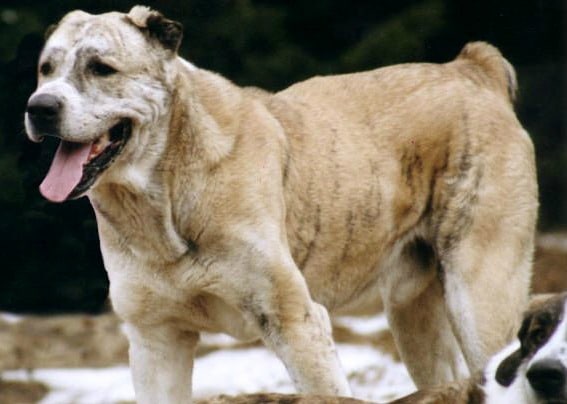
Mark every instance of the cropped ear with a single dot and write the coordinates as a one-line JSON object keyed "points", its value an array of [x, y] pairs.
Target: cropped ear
{"points": [[167, 32]]}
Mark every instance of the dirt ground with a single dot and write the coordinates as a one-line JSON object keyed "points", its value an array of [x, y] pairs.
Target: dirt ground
{"points": [[97, 341]]}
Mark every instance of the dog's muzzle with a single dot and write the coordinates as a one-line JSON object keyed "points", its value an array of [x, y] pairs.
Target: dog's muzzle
{"points": [[547, 378], [44, 113]]}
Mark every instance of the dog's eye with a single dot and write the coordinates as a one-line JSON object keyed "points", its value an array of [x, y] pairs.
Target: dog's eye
{"points": [[101, 69], [45, 68], [538, 335], [535, 331]]}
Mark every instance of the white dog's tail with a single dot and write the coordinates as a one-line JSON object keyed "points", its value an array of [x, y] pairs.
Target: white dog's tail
{"points": [[500, 75]]}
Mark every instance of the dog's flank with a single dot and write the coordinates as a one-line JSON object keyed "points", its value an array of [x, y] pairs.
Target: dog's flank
{"points": [[235, 210]]}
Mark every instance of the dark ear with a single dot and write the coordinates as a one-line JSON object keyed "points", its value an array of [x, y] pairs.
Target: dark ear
{"points": [[506, 372], [508, 368], [167, 32]]}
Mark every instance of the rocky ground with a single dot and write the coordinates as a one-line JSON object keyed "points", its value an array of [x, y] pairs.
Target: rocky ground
{"points": [[78, 341]]}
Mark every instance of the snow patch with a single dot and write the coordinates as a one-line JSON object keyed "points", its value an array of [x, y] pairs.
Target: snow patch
{"points": [[372, 375], [363, 325], [11, 318]]}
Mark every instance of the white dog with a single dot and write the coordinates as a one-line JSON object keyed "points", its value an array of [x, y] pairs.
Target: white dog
{"points": [[531, 370]]}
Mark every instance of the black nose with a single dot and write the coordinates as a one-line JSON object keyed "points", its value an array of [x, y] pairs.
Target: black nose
{"points": [[547, 378], [44, 111]]}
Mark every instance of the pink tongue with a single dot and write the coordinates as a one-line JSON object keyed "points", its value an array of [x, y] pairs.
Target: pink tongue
{"points": [[66, 170]]}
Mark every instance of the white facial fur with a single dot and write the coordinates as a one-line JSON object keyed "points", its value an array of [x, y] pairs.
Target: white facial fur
{"points": [[556, 346], [92, 104], [520, 391]]}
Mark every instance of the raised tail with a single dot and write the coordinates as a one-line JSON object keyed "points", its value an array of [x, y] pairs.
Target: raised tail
{"points": [[499, 75]]}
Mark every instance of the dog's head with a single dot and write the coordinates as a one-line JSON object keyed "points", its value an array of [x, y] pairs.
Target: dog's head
{"points": [[536, 372], [104, 86]]}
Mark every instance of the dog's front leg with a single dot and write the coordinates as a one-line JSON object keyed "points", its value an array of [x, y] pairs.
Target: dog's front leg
{"points": [[306, 347], [298, 330], [161, 360]]}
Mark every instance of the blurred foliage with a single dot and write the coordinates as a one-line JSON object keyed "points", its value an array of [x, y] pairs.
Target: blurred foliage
{"points": [[50, 254]]}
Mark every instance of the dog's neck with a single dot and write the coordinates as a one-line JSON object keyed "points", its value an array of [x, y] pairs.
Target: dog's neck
{"points": [[206, 121], [205, 109], [196, 142]]}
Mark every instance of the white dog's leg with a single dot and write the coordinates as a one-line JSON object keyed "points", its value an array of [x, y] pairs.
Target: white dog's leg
{"points": [[161, 359]]}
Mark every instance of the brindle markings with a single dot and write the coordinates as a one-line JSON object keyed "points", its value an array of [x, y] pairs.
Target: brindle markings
{"points": [[411, 162], [311, 245], [350, 221], [249, 305], [337, 167], [460, 193], [373, 207], [317, 227], [286, 163]]}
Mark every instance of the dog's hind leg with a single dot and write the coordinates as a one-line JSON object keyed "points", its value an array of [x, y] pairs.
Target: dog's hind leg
{"points": [[484, 235], [414, 304], [486, 282]]}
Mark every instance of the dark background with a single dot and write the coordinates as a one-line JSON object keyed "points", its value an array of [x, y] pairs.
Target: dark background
{"points": [[49, 254]]}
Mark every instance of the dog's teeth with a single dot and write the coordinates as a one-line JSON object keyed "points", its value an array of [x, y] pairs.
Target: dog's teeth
{"points": [[99, 145]]}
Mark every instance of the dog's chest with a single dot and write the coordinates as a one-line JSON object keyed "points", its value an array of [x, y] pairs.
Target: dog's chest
{"points": [[145, 292], [137, 225]]}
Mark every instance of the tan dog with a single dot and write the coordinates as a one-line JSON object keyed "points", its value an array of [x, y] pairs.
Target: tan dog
{"points": [[235, 210]]}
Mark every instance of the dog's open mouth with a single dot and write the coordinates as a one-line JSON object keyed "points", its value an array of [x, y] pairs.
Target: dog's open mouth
{"points": [[76, 166]]}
